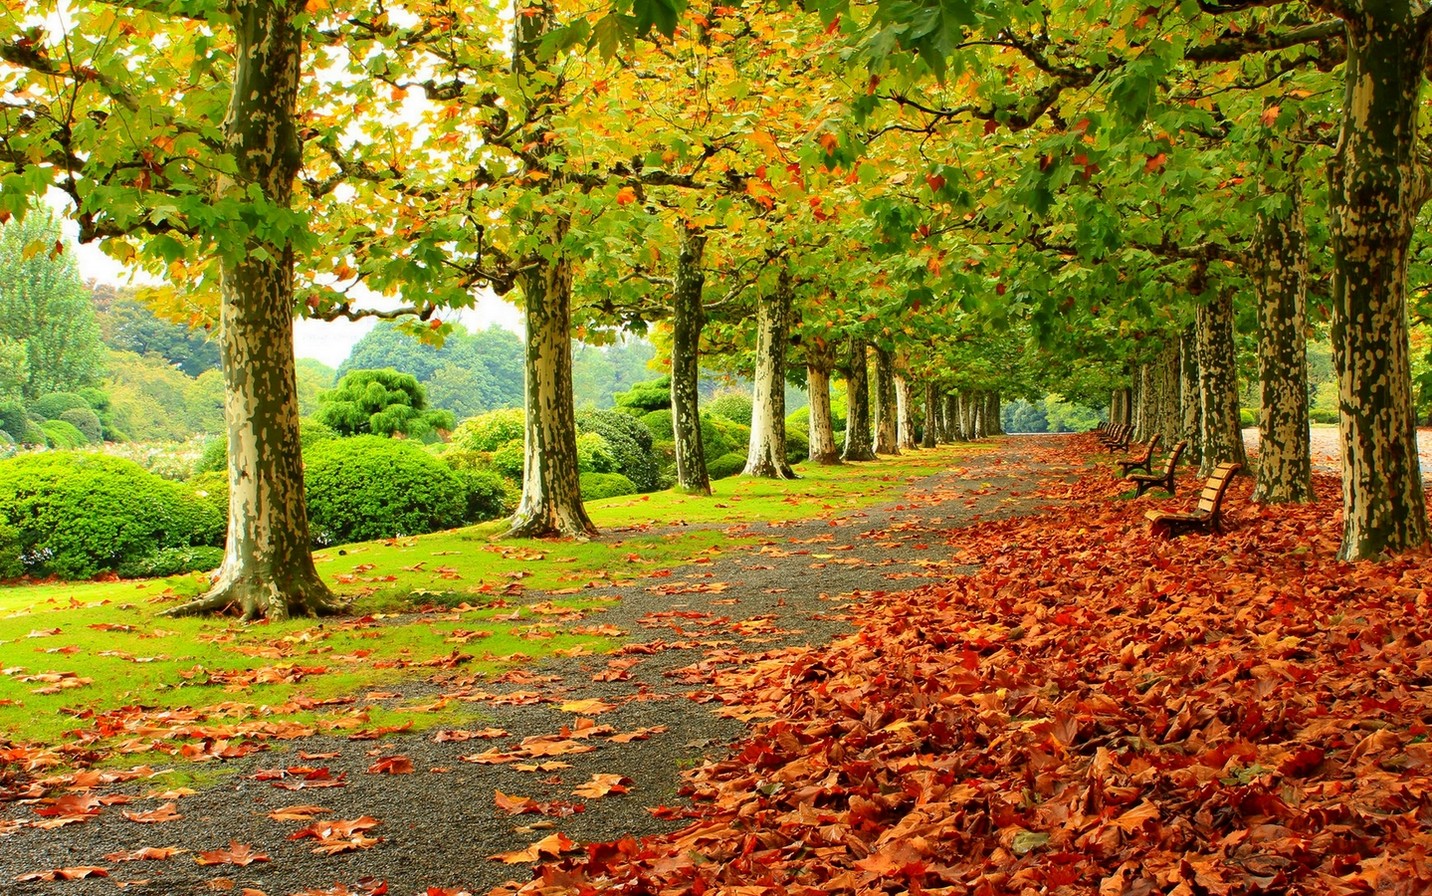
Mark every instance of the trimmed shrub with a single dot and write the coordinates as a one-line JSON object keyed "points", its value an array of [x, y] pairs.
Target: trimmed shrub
{"points": [[734, 406], [509, 460], [652, 395], [384, 402], [490, 431], [1247, 418], [594, 454], [215, 457], [630, 443], [60, 434], [204, 508], [14, 419], [87, 422], [661, 423], [11, 564], [721, 436], [489, 495], [1322, 415], [50, 407], [596, 486], [172, 562], [78, 514], [375, 487], [797, 446], [726, 465]]}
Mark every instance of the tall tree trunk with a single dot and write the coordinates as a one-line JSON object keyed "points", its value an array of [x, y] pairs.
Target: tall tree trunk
{"points": [[1376, 192], [994, 424], [267, 569], [951, 421], [551, 502], [1190, 395], [1280, 270], [905, 415], [1218, 384], [1170, 413], [1143, 401], [887, 435], [767, 454], [820, 361], [857, 415], [931, 436], [688, 318]]}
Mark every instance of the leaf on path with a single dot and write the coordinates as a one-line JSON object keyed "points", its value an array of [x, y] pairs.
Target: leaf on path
{"points": [[602, 784], [237, 853], [451, 736], [590, 706], [77, 873], [392, 765], [298, 813], [548, 847], [145, 853], [638, 734], [164, 813]]}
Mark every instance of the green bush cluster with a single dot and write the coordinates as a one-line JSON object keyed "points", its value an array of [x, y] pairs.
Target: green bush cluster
{"points": [[60, 434], [86, 421], [661, 423], [630, 443], [76, 514], [490, 431], [734, 406], [652, 395], [381, 402], [726, 465], [596, 486], [375, 487]]}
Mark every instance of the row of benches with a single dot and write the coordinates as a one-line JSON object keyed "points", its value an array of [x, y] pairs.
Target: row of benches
{"points": [[1207, 516]]}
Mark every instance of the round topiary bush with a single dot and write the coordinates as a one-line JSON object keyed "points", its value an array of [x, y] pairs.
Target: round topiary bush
{"points": [[60, 434], [489, 495], [50, 407], [374, 487], [721, 436], [594, 454], [77, 514], [651, 395], [11, 563], [630, 443], [797, 446], [204, 508], [596, 486], [490, 431], [172, 562], [726, 465], [734, 406], [660, 423], [87, 422]]}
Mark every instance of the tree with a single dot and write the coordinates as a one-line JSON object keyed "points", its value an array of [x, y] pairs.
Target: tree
{"points": [[45, 308], [129, 325]]}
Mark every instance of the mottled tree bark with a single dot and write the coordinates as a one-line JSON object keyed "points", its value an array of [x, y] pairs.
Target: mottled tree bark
{"points": [[1376, 192], [951, 420], [905, 415], [1190, 402], [931, 436], [551, 503], [1279, 269], [688, 318], [820, 361], [1222, 435], [857, 416], [994, 422], [1169, 416], [268, 570], [887, 435], [767, 454]]}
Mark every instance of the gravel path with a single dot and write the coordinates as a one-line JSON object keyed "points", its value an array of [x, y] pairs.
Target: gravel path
{"points": [[650, 710]]}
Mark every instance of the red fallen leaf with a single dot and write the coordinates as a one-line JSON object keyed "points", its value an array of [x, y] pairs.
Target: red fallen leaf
{"points": [[448, 736], [515, 805], [602, 784], [77, 873], [76, 806], [550, 847], [638, 734], [237, 853], [145, 853], [392, 765], [164, 813]]}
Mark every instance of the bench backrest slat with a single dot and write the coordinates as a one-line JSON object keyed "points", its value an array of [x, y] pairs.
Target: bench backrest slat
{"points": [[1216, 487], [1174, 456]]}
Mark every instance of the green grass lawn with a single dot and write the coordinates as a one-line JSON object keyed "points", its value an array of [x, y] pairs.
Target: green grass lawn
{"points": [[78, 656]]}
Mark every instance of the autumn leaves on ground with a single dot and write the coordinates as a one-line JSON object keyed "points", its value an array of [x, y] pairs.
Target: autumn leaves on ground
{"points": [[1088, 711]]}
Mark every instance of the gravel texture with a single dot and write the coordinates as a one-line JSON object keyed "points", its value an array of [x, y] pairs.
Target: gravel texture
{"points": [[440, 824]]}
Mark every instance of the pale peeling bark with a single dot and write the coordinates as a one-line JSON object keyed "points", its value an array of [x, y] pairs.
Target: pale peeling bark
{"points": [[1168, 417], [931, 438], [972, 412], [1374, 199], [1279, 270], [1222, 435], [268, 571], [857, 415], [820, 361], [551, 502], [957, 419], [766, 456], [994, 424], [1143, 402], [887, 436], [688, 319], [905, 415], [1190, 402]]}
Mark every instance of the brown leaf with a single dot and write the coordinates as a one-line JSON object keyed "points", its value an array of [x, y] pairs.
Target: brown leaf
{"points": [[237, 853], [602, 784]]}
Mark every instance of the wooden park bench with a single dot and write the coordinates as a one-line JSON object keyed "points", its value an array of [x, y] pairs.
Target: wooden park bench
{"points": [[1128, 465], [1117, 438], [1146, 481], [1206, 517]]}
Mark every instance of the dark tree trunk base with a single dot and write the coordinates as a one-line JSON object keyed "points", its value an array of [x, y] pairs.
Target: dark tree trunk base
{"points": [[267, 598]]}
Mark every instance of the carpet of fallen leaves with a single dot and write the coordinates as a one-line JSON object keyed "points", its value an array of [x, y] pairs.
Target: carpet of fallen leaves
{"points": [[1094, 711]]}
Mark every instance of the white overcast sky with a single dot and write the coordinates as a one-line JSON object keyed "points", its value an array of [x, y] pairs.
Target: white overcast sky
{"points": [[329, 342]]}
